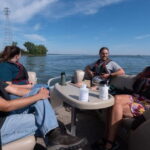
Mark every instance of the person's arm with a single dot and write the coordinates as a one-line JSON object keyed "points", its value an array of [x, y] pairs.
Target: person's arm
{"points": [[7, 106], [26, 86], [16, 90], [118, 72], [89, 72], [115, 70], [108, 75]]}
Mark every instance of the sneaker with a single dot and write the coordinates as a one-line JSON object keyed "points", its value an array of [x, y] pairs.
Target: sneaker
{"points": [[63, 141]]}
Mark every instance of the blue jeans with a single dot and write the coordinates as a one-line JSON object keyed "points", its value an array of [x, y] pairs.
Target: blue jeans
{"points": [[34, 87], [40, 86], [34, 119]]}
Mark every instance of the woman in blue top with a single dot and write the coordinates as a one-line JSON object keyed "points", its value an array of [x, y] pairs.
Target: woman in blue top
{"points": [[11, 70]]}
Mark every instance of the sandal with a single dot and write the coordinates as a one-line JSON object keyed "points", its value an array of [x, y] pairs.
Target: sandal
{"points": [[100, 145]]}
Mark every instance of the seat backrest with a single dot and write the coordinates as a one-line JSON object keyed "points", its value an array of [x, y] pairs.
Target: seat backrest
{"points": [[139, 139], [78, 76], [123, 82], [26, 143], [32, 77]]}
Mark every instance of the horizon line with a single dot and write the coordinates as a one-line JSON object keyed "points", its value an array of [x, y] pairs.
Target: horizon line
{"points": [[97, 54]]}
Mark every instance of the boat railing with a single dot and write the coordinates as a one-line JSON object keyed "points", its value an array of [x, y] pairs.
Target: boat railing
{"points": [[52, 81]]}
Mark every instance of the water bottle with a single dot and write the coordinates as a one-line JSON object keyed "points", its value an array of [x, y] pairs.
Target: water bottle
{"points": [[103, 91], [84, 93], [63, 78]]}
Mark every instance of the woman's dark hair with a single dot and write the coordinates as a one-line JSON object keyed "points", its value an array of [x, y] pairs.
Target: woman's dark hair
{"points": [[103, 48], [9, 52]]}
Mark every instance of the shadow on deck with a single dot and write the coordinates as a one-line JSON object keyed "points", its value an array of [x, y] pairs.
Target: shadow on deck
{"points": [[89, 124]]}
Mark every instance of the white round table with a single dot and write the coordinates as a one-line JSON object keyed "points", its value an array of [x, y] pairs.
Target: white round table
{"points": [[70, 94]]}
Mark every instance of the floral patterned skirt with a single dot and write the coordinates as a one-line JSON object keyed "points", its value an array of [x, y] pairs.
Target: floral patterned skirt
{"points": [[139, 104]]}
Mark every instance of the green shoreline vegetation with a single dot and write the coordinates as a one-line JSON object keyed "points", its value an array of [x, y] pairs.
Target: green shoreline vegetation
{"points": [[32, 49]]}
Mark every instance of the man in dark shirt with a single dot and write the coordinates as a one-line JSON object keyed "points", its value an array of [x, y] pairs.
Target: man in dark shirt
{"points": [[33, 114]]}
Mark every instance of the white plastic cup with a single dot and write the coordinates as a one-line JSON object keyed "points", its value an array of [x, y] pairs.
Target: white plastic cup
{"points": [[103, 92], [84, 93]]}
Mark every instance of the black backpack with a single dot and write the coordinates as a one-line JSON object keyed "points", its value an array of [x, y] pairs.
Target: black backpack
{"points": [[142, 87]]}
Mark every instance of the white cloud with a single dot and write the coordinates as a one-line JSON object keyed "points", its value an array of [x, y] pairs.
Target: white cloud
{"points": [[92, 7], [35, 37], [37, 26], [140, 37], [23, 10], [87, 7]]}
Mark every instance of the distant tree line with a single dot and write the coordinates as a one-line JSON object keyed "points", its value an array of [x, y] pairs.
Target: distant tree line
{"points": [[33, 49]]}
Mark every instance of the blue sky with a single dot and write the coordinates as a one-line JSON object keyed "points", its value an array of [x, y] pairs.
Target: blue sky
{"points": [[80, 26]]}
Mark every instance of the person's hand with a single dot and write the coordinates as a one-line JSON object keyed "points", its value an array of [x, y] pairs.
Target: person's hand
{"points": [[105, 76], [29, 86], [43, 93], [30, 82], [8, 82], [91, 74]]}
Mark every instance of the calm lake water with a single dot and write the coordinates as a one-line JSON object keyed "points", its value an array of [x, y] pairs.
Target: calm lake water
{"points": [[50, 66]]}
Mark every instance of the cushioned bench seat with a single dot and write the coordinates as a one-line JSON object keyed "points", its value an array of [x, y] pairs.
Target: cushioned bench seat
{"points": [[26, 143], [124, 82]]}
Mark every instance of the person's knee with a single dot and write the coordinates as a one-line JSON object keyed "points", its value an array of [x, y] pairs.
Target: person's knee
{"points": [[118, 103], [117, 100]]}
